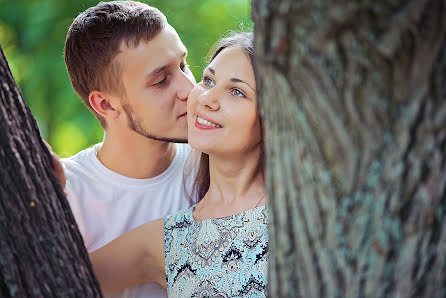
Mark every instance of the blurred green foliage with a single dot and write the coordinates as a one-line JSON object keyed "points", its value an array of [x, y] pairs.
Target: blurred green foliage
{"points": [[32, 34]]}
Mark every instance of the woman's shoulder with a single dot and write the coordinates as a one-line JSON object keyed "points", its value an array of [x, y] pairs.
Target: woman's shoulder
{"points": [[179, 219]]}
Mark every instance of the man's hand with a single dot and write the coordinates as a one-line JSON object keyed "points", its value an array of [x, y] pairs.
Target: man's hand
{"points": [[57, 169]]}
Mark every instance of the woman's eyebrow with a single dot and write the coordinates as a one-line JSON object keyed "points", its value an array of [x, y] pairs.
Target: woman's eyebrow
{"points": [[211, 70], [235, 80]]}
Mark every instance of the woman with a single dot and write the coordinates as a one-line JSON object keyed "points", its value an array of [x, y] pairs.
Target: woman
{"points": [[219, 247]]}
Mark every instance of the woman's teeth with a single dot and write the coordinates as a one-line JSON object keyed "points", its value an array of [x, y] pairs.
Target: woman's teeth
{"points": [[207, 123]]}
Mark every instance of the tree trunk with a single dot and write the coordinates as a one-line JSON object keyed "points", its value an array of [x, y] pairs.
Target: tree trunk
{"points": [[41, 250], [353, 95]]}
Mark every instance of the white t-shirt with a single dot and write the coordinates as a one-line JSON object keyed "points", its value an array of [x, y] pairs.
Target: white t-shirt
{"points": [[106, 204]]}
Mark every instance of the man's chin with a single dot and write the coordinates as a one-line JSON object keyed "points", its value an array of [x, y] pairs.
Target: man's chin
{"points": [[167, 139], [137, 127], [183, 141]]}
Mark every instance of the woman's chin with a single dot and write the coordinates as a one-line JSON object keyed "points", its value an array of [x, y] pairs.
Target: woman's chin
{"points": [[204, 149], [202, 146]]}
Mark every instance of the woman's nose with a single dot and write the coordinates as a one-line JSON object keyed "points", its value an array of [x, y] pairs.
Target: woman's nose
{"points": [[209, 99]]}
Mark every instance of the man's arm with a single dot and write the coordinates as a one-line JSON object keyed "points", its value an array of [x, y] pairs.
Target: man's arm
{"points": [[134, 258], [57, 166]]}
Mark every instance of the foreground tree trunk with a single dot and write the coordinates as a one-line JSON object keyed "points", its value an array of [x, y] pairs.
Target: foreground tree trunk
{"points": [[354, 99], [41, 250]]}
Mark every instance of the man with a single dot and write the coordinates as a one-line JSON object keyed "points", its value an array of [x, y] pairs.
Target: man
{"points": [[128, 65]]}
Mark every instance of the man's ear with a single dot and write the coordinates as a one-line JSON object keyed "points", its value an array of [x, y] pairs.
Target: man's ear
{"points": [[103, 105]]}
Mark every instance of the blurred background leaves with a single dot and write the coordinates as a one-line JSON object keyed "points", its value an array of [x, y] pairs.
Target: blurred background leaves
{"points": [[32, 34]]}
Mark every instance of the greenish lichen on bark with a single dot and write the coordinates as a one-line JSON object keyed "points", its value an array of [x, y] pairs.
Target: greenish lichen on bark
{"points": [[353, 95]]}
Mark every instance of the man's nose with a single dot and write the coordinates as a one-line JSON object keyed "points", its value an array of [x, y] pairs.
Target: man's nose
{"points": [[185, 85]]}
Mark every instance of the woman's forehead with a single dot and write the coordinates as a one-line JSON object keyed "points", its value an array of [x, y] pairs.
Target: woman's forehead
{"points": [[233, 61]]}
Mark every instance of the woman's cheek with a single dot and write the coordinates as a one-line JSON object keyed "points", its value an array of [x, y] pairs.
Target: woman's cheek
{"points": [[193, 99], [191, 105]]}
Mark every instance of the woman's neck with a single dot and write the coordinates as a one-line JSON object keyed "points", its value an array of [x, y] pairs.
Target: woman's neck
{"points": [[236, 185]]}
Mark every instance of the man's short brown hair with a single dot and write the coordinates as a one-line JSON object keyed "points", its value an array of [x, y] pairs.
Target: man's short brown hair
{"points": [[93, 42]]}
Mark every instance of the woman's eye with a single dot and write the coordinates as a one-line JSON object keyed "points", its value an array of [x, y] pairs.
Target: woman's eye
{"points": [[237, 92], [208, 81], [160, 83]]}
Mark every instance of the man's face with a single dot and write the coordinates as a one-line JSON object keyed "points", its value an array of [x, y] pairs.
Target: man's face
{"points": [[157, 83]]}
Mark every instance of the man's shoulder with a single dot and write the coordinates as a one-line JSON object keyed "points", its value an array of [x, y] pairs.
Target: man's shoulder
{"points": [[81, 154], [80, 161]]}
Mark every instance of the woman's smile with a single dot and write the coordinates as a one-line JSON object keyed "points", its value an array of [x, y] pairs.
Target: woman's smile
{"points": [[203, 122]]}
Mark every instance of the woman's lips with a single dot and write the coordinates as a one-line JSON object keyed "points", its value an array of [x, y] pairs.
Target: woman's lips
{"points": [[203, 122]]}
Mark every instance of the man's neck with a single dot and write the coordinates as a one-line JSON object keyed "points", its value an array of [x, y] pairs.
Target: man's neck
{"points": [[136, 156]]}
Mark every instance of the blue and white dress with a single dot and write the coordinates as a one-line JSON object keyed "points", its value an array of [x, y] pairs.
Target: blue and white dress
{"points": [[221, 257]]}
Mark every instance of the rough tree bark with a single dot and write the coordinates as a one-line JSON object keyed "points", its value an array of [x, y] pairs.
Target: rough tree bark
{"points": [[41, 250], [354, 99]]}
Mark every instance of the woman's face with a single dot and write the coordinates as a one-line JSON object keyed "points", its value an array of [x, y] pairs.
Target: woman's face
{"points": [[222, 108]]}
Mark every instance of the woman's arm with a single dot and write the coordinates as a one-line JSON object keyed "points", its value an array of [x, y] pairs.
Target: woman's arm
{"points": [[135, 257]]}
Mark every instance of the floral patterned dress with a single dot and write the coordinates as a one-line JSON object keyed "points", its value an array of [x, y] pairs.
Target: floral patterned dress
{"points": [[221, 257]]}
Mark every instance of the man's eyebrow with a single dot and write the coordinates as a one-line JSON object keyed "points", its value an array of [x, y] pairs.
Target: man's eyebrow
{"points": [[164, 67], [158, 70], [235, 80]]}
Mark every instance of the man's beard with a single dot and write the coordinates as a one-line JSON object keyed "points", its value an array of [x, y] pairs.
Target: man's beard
{"points": [[136, 125]]}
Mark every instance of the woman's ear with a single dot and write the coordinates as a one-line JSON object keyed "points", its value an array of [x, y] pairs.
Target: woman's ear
{"points": [[102, 104]]}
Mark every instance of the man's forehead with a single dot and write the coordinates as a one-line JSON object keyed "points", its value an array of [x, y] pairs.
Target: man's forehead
{"points": [[163, 40], [162, 49]]}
